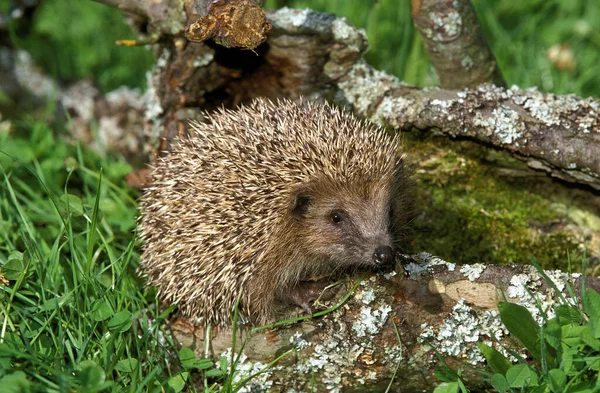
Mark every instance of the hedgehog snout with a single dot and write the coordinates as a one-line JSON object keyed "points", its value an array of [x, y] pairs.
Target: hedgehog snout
{"points": [[383, 255]]}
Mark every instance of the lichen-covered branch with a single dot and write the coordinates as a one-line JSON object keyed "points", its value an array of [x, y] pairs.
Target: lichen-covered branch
{"points": [[391, 323], [455, 43], [558, 134]]}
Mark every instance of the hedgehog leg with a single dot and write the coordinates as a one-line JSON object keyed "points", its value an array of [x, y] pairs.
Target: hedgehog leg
{"points": [[304, 293]]}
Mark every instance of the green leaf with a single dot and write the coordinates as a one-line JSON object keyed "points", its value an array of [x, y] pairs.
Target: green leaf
{"points": [[521, 376], [127, 365], [54, 303], [445, 387], [497, 362], [15, 266], [593, 363], [223, 364], [520, 323], [101, 311], [499, 383], [553, 333], [177, 383], [15, 383], [90, 375], [214, 373], [586, 337], [121, 322], [567, 360], [568, 314], [187, 358], [204, 364], [5, 360], [557, 379], [73, 203], [592, 309], [571, 335], [582, 387]]}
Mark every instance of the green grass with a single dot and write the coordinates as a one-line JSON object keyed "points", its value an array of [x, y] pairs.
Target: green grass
{"points": [[73, 40], [74, 315]]}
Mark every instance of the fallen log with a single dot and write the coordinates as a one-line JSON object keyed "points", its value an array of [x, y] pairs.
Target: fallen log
{"points": [[389, 330]]}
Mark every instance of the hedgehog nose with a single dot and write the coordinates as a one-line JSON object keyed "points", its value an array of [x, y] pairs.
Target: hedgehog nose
{"points": [[383, 255]]}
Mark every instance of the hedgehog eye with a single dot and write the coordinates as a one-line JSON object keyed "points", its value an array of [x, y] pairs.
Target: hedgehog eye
{"points": [[337, 216]]}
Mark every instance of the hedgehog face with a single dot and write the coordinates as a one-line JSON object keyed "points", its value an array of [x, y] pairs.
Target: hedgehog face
{"points": [[345, 225]]}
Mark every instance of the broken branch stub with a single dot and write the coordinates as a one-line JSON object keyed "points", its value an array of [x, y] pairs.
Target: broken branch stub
{"points": [[232, 24]]}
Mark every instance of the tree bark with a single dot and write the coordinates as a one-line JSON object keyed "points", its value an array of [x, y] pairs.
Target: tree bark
{"points": [[455, 43]]}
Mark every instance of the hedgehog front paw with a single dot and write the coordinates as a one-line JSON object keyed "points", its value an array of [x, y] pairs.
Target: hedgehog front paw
{"points": [[303, 294]]}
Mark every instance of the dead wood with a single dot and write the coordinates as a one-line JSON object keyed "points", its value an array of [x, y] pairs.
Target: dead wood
{"points": [[389, 326]]}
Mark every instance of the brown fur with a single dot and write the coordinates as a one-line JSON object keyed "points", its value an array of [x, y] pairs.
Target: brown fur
{"points": [[247, 203]]}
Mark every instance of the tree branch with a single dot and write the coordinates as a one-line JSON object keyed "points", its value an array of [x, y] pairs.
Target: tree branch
{"points": [[557, 134], [455, 43]]}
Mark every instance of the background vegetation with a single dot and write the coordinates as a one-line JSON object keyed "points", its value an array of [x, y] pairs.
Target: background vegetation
{"points": [[74, 315]]}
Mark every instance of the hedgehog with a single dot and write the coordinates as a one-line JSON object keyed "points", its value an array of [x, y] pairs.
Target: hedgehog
{"points": [[254, 203]]}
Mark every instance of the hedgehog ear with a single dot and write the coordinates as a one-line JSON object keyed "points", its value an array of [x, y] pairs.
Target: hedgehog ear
{"points": [[302, 202]]}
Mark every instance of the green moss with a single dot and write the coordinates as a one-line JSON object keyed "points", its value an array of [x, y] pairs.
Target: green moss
{"points": [[470, 214]]}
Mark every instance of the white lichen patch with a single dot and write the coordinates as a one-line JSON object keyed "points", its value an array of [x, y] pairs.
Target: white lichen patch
{"points": [[552, 110], [245, 368], [426, 262], [444, 104], [503, 122], [153, 107], [205, 59], [371, 321], [332, 362], [364, 85], [391, 110], [31, 77], [367, 296], [393, 353], [285, 17], [298, 341], [524, 288], [472, 272], [446, 25], [348, 34], [464, 327], [467, 62]]}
